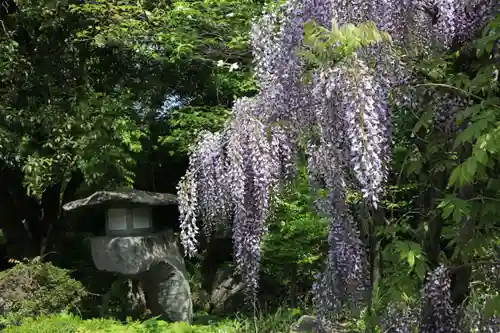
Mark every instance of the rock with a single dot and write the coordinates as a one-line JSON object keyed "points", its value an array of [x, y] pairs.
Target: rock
{"points": [[227, 292], [135, 254], [168, 293], [135, 298], [304, 324], [155, 260], [129, 196], [130, 295]]}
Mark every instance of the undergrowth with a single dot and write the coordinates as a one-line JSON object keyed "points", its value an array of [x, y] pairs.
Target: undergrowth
{"points": [[68, 323]]}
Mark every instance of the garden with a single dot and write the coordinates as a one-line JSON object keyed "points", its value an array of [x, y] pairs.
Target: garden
{"points": [[249, 166]]}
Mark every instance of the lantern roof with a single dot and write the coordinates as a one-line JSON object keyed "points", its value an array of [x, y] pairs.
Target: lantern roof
{"points": [[128, 196]]}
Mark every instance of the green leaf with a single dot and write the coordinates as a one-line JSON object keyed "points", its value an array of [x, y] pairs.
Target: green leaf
{"points": [[471, 132], [492, 307], [481, 156], [420, 270], [455, 176], [470, 167], [411, 258], [447, 211]]}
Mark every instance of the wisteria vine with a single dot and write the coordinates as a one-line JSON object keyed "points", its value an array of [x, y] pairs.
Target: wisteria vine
{"points": [[232, 174]]}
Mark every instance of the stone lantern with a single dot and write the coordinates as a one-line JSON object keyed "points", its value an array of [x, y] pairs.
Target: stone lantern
{"points": [[135, 247]]}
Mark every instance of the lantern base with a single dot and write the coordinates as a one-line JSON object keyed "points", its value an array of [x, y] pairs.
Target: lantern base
{"points": [[156, 261]]}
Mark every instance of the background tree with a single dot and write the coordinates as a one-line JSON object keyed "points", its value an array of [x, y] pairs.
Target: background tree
{"points": [[87, 93]]}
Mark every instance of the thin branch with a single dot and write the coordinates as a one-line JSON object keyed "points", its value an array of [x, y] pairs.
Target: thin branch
{"points": [[443, 85], [454, 269]]}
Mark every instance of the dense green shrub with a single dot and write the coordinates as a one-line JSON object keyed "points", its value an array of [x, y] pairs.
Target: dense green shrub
{"points": [[35, 288], [65, 323], [294, 247], [68, 323]]}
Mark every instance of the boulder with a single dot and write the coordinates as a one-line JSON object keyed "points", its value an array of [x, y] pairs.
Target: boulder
{"points": [[227, 292], [304, 324], [168, 293]]}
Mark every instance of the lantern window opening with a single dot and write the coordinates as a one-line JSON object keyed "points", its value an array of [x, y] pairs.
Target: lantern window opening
{"points": [[141, 218], [129, 219], [117, 219]]}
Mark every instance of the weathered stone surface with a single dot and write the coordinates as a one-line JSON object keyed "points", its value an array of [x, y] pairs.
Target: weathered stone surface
{"points": [[127, 292], [227, 292], [130, 196], [135, 300], [304, 324], [156, 260], [168, 293], [135, 254]]}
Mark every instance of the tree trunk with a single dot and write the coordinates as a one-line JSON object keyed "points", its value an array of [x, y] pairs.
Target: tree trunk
{"points": [[293, 285], [28, 226], [15, 209]]}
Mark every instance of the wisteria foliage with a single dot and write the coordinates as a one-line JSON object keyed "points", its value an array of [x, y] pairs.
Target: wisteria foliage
{"points": [[232, 174], [435, 313]]}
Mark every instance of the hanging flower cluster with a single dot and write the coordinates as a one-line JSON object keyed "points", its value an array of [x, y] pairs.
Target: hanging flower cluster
{"points": [[233, 173], [438, 313]]}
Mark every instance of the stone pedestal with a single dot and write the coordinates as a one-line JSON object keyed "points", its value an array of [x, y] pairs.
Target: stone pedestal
{"points": [[157, 262]]}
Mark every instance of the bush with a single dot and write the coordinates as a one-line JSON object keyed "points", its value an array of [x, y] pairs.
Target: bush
{"points": [[67, 323], [294, 248], [35, 288]]}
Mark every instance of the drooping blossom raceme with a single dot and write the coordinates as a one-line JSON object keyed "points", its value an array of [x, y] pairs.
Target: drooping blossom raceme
{"points": [[284, 150], [477, 313], [402, 319], [210, 174], [251, 170], [362, 103], [337, 124], [187, 198], [476, 322], [438, 313], [446, 108], [347, 256], [232, 174]]}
